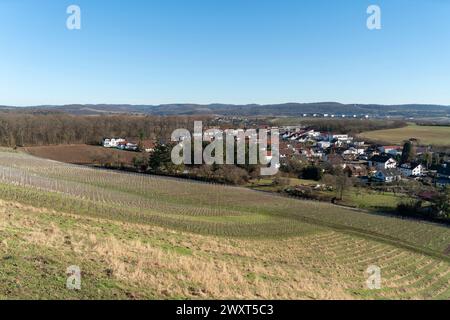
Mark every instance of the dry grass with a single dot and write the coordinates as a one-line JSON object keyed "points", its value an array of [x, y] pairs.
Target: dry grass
{"points": [[427, 135], [152, 262], [170, 264], [138, 237]]}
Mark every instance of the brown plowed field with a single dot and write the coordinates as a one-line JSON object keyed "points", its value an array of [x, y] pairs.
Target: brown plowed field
{"points": [[82, 154]]}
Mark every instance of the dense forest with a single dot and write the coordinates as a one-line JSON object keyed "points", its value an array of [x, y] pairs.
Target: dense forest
{"points": [[49, 128], [34, 129]]}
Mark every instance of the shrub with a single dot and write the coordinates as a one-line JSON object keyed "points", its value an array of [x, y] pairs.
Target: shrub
{"points": [[409, 208], [312, 173]]}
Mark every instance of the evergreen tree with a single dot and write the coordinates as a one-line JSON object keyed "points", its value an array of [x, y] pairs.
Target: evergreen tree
{"points": [[312, 173], [160, 158], [409, 152]]}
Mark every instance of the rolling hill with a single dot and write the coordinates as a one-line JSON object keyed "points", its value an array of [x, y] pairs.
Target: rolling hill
{"points": [[140, 236], [287, 109]]}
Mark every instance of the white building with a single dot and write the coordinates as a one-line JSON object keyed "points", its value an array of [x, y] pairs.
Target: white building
{"points": [[411, 169], [353, 151], [382, 162], [324, 144], [387, 175], [340, 137], [113, 143]]}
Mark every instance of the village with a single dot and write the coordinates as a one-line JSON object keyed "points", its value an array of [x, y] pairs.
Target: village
{"points": [[370, 163]]}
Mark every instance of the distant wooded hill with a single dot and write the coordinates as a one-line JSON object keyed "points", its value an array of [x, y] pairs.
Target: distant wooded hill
{"points": [[287, 109]]}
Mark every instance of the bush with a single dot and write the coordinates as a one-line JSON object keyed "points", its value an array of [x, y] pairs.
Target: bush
{"points": [[292, 165], [307, 193], [312, 173], [410, 208], [228, 174]]}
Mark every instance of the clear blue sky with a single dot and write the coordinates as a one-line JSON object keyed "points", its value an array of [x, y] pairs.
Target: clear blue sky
{"points": [[229, 51]]}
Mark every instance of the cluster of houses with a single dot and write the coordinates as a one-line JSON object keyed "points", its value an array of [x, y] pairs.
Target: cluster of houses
{"points": [[120, 143], [124, 144], [369, 162]]}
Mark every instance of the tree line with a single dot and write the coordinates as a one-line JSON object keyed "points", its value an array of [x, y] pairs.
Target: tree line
{"points": [[353, 126], [35, 129]]}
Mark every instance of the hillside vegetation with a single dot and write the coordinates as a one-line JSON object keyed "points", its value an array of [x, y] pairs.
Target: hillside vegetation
{"points": [[139, 236], [285, 109], [23, 128]]}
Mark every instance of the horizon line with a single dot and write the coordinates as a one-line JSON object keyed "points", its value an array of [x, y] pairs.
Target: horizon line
{"points": [[219, 103]]}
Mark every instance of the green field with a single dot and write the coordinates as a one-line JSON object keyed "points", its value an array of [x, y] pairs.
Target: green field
{"points": [[143, 237], [361, 198], [371, 200], [427, 135]]}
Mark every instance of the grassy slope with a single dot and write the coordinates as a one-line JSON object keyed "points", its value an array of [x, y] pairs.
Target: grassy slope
{"points": [[142, 237], [357, 198], [371, 200], [427, 135], [125, 260]]}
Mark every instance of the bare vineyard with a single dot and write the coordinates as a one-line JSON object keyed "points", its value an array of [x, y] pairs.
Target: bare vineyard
{"points": [[200, 207], [329, 240]]}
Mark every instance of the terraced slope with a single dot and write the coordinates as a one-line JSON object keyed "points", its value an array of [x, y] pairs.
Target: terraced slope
{"points": [[138, 236]]}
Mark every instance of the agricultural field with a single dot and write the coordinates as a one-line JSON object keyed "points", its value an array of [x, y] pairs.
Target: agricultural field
{"points": [[82, 154], [144, 237], [426, 135]]}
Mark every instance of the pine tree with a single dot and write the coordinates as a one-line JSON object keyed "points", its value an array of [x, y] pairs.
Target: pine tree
{"points": [[409, 152]]}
